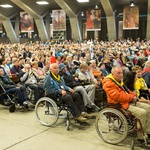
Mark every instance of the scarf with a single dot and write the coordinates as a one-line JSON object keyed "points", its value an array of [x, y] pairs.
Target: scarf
{"points": [[57, 78], [119, 84], [111, 77]]}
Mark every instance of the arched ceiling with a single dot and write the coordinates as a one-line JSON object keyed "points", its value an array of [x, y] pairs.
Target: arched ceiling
{"points": [[41, 9]]}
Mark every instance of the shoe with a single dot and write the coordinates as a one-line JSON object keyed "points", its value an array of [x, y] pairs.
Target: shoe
{"points": [[143, 142], [89, 109], [86, 115], [28, 104], [96, 108], [81, 119]]}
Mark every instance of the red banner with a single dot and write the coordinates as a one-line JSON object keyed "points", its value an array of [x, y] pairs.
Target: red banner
{"points": [[93, 19], [131, 18]]}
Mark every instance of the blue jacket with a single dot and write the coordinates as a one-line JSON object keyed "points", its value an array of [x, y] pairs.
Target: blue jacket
{"points": [[52, 86], [6, 82]]}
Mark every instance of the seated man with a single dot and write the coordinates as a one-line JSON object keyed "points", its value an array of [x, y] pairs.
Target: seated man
{"points": [[32, 81], [117, 93], [74, 83], [11, 87], [89, 80], [55, 88]]}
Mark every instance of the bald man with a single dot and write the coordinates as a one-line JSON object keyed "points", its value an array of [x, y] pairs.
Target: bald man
{"points": [[117, 93], [55, 88]]}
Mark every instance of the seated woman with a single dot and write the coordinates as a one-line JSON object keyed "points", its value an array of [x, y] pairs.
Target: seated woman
{"points": [[37, 70], [140, 84], [96, 71], [132, 82]]}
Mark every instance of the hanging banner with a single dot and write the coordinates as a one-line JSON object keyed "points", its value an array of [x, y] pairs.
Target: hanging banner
{"points": [[131, 18], [1, 28], [93, 19], [26, 22], [59, 20]]}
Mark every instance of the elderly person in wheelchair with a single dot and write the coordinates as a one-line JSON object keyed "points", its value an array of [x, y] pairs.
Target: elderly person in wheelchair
{"points": [[74, 83], [56, 89], [118, 93], [31, 80], [13, 88]]}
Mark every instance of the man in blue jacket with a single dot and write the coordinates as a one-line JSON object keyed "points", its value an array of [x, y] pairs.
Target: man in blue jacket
{"points": [[55, 88], [13, 88]]}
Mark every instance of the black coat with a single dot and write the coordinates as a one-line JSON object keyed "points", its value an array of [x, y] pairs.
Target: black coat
{"points": [[27, 54], [69, 80]]}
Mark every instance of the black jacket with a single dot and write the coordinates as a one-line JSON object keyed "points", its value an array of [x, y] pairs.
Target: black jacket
{"points": [[27, 54]]}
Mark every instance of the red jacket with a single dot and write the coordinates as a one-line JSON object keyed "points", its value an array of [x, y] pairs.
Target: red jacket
{"points": [[116, 94]]}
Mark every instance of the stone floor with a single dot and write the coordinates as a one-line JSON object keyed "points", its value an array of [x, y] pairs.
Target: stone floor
{"points": [[22, 131]]}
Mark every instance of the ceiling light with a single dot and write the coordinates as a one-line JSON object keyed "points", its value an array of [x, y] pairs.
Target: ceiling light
{"points": [[6, 6], [96, 6], [42, 2], [82, 13], [132, 4], [83, 1]]}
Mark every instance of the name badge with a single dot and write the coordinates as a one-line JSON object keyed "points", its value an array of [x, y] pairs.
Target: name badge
{"points": [[62, 87]]}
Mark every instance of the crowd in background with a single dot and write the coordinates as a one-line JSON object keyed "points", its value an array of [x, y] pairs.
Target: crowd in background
{"points": [[97, 57]]}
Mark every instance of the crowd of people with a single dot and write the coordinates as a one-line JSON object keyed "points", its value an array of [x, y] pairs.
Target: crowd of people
{"points": [[74, 72]]}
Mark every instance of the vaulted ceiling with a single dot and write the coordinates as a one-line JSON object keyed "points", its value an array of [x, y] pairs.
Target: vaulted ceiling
{"points": [[117, 5]]}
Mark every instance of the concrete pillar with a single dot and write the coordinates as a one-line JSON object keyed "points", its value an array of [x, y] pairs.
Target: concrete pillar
{"points": [[17, 26], [9, 29], [110, 18], [148, 21], [48, 24]]}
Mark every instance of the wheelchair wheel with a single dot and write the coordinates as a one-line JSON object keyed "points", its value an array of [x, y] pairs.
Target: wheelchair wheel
{"points": [[12, 108], [111, 125], [46, 111]]}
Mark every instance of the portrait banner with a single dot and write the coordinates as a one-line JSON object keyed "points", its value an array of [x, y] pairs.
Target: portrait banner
{"points": [[26, 22], [131, 18], [93, 19], [1, 28], [59, 20]]}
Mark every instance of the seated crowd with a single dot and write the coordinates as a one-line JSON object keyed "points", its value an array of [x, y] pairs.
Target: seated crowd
{"points": [[74, 72]]}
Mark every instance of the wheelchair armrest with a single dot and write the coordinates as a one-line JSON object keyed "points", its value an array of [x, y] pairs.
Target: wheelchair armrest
{"points": [[117, 106], [111, 105], [126, 113]]}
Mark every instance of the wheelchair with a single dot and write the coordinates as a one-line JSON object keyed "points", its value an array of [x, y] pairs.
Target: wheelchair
{"points": [[48, 111], [10, 99], [7, 99], [113, 124]]}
